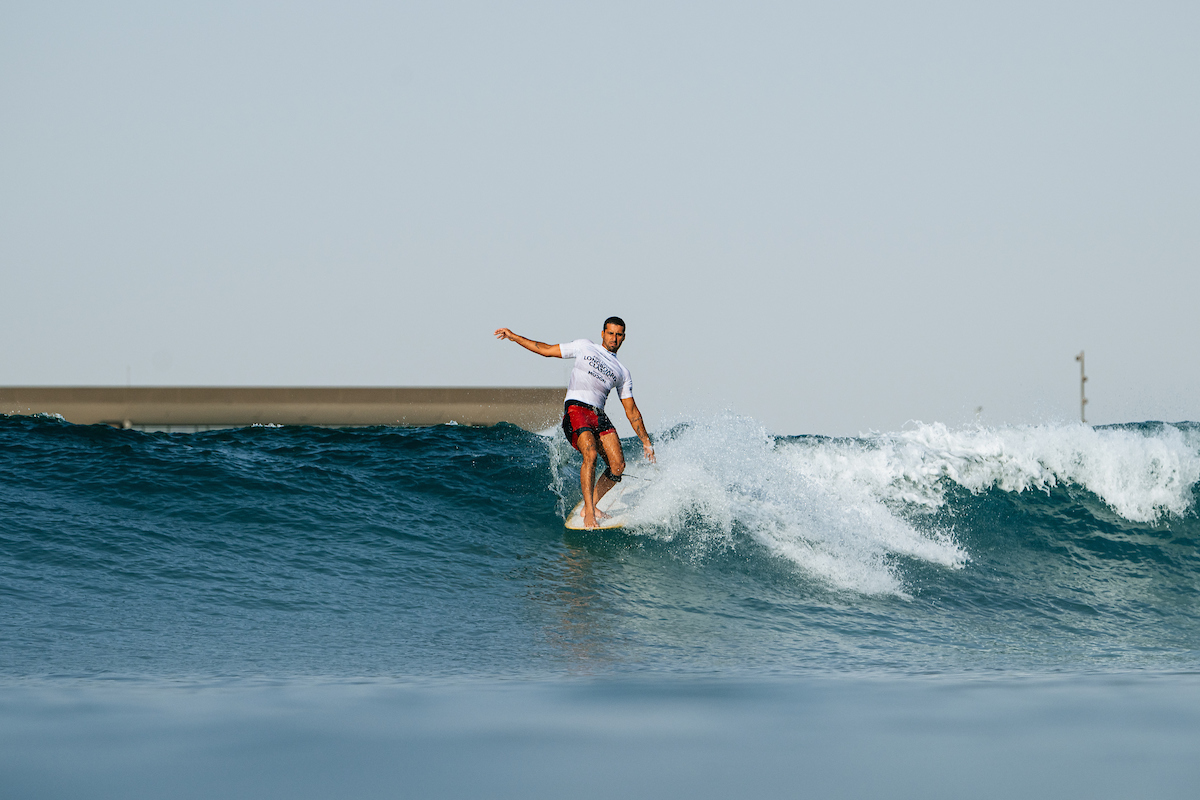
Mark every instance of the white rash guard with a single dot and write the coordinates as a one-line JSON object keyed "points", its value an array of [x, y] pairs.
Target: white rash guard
{"points": [[596, 373]]}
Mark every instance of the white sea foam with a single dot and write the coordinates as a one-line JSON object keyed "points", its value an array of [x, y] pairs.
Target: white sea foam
{"points": [[730, 474], [842, 510], [1141, 474]]}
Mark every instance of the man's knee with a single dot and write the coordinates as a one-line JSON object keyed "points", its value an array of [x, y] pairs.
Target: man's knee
{"points": [[614, 466]]}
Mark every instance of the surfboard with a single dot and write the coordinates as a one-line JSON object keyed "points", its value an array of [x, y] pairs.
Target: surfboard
{"points": [[617, 502]]}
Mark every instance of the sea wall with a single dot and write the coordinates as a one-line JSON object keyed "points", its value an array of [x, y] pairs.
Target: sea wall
{"points": [[206, 407]]}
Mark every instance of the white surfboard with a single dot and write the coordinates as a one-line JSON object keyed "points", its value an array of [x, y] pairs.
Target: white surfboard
{"points": [[617, 502]]}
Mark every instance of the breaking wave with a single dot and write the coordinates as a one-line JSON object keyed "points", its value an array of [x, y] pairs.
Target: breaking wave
{"points": [[851, 511]]}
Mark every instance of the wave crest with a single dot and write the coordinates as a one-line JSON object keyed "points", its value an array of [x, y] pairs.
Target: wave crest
{"points": [[1141, 472]]}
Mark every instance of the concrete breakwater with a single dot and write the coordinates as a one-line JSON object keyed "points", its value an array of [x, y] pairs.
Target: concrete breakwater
{"points": [[209, 407]]}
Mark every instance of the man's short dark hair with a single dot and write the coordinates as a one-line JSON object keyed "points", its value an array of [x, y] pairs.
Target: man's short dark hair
{"points": [[613, 321]]}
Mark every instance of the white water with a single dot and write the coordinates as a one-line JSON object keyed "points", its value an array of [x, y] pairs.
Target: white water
{"points": [[1142, 475], [841, 510]]}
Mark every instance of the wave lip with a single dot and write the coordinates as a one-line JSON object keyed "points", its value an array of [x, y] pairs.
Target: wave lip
{"points": [[1142, 472]]}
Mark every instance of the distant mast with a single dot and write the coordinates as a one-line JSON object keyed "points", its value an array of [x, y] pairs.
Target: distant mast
{"points": [[1082, 396]]}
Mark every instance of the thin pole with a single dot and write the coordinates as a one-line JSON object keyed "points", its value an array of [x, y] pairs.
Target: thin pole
{"points": [[1082, 396]]}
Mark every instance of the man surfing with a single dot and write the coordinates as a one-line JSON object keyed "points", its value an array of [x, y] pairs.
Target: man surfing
{"points": [[589, 430]]}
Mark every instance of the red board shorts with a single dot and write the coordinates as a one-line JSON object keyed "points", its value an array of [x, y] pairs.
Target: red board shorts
{"points": [[579, 417]]}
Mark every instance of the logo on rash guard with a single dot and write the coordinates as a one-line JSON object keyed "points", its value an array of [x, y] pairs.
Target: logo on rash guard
{"points": [[599, 365]]}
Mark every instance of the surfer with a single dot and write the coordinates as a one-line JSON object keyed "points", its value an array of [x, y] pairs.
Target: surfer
{"points": [[589, 430]]}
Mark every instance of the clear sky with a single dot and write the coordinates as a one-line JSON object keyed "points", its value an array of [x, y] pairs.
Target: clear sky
{"points": [[832, 217]]}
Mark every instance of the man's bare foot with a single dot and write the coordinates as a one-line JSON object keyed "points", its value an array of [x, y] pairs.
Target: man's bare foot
{"points": [[592, 520]]}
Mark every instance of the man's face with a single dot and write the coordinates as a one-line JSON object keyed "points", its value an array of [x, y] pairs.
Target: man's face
{"points": [[612, 336]]}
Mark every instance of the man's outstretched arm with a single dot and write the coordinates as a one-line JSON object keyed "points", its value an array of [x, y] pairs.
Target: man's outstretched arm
{"points": [[639, 427], [541, 348]]}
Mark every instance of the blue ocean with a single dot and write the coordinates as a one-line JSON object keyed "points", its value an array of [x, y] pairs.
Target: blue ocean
{"points": [[399, 612]]}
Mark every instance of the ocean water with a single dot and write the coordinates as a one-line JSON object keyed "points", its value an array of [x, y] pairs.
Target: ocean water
{"points": [[390, 612]]}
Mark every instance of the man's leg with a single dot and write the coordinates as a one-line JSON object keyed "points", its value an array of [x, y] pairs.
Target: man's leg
{"points": [[616, 463], [586, 443]]}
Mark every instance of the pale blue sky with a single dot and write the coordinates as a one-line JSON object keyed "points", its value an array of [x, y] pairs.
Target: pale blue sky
{"points": [[830, 217]]}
